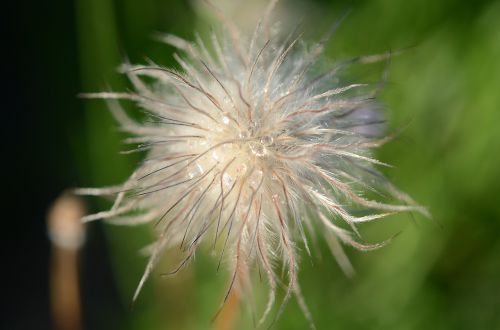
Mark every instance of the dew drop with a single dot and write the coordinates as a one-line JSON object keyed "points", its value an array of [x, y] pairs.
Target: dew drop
{"points": [[253, 126], [216, 156], [256, 179], [244, 134], [266, 140], [241, 169], [227, 179], [258, 149], [195, 170]]}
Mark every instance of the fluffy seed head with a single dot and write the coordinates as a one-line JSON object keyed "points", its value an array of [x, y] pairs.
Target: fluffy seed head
{"points": [[247, 145]]}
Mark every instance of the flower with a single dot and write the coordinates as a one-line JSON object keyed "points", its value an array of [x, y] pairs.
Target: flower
{"points": [[246, 149]]}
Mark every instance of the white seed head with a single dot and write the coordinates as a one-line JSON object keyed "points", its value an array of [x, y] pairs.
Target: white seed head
{"points": [[248, 145]]}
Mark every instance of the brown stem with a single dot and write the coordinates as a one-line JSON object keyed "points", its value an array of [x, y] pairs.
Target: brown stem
{"points": [[227, 317], [67, 236], [65, 296]]}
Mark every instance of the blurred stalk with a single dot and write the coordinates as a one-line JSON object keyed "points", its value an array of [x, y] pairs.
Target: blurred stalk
{"points": [[99, 58], [66, 233]]}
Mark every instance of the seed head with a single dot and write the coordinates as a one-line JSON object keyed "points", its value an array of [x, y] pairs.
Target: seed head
{"points": [[247, 146]]}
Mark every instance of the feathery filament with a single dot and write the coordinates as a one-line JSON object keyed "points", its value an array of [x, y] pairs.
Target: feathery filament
{"points": [[245, 149]]}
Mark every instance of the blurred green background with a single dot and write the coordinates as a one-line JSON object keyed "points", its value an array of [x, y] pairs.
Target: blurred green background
{"points": [[438, 274]]}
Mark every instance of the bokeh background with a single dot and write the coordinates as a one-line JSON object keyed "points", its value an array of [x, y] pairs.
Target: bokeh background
{"points": [[438, 274]]}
